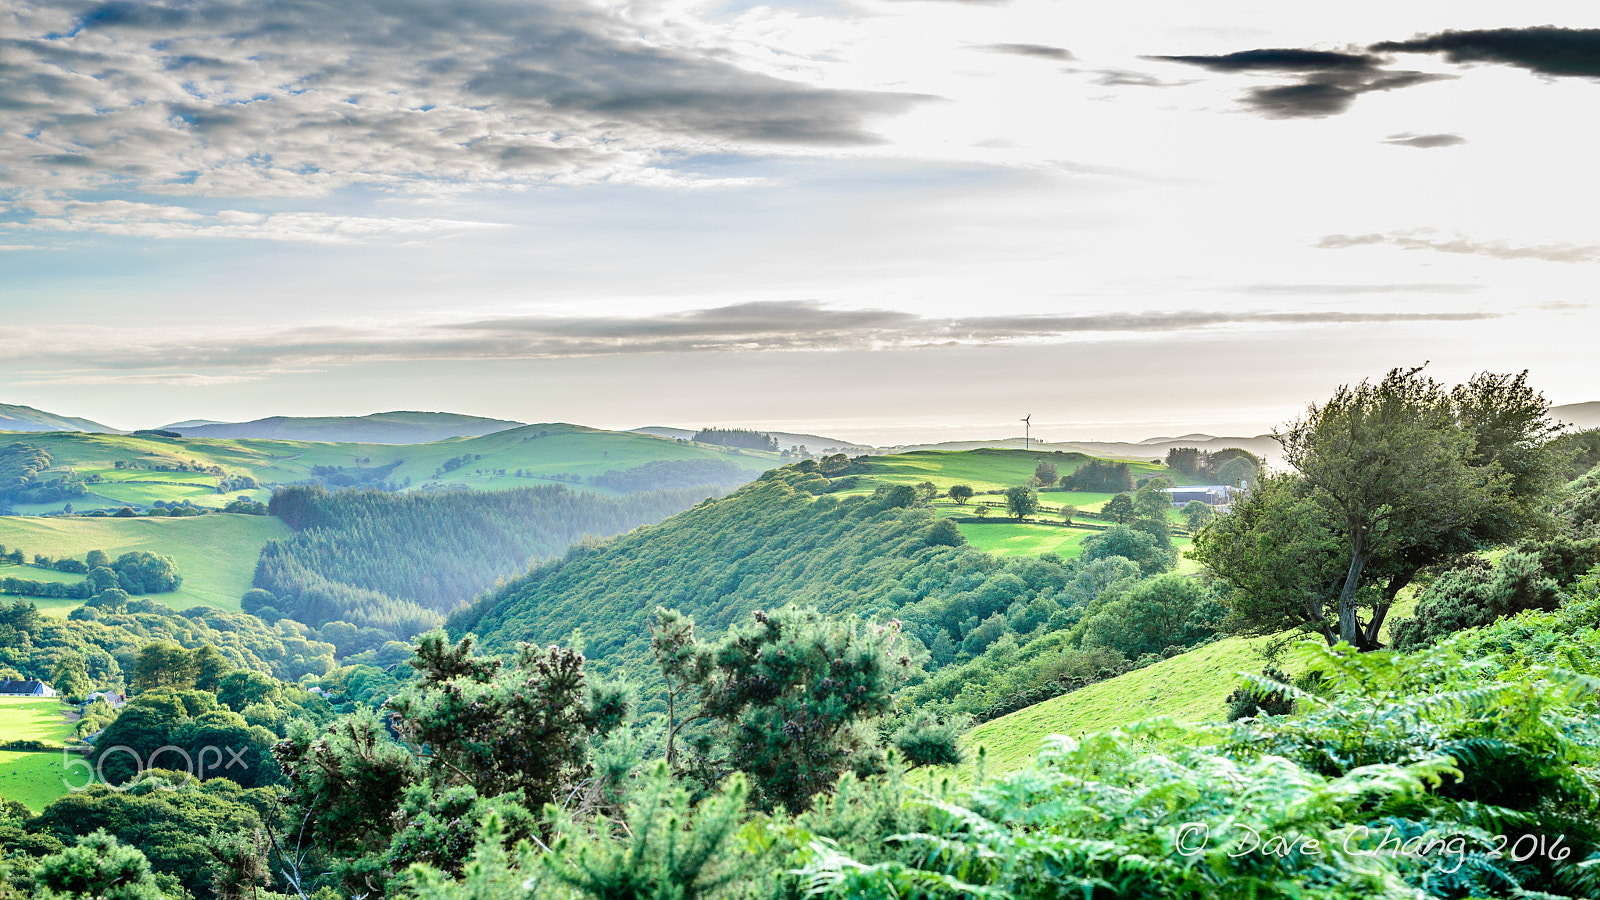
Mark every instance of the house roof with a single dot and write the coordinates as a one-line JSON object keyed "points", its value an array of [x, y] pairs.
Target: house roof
{"points": [[29, 686]]}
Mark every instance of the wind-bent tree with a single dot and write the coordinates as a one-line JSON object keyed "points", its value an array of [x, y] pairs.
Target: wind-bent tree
{"points": [[1403, 474]]}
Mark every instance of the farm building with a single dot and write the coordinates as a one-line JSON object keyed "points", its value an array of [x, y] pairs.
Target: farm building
{"points": [[1213, 494], [30, 688]]}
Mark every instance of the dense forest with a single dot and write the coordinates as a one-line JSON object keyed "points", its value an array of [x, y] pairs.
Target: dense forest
{"points": [[395, 563], [785, 540]]}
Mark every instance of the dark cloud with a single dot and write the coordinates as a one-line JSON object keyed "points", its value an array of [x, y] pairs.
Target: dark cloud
{"points": [[1038, 51], [1425, 141], [1279, 60], [304, 96], [749, 327], [1422, 240], [1329, 82], [1547, 50]]}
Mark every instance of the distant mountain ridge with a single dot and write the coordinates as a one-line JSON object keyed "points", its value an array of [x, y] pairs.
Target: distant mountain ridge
{"points": [[26, 418], [1579, 415], [398, 427], [813, 443]]}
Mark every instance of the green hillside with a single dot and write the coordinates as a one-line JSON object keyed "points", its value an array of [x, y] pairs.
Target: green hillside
{"points": [[990, 469], [139, 470], [216, 554], [1190, 687], [789, 538]]}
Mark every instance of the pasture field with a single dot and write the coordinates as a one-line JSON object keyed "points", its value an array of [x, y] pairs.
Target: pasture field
{"points": [[991, 469], [34, 573], [1008, 538], [34, 779], [216, 554], [34, 719]]}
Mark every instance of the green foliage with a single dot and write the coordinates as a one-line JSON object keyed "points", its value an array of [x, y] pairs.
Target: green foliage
{"points": [[1476, 594], [670, 851], [960, 493], [1021, 502], [1139, 547], [396, 562], [97, 868], [787, 694], [140, 572], [1119, 509], [1197, 514], [1267, 697], [1045, 474], [520, 728], [1155, 614]]}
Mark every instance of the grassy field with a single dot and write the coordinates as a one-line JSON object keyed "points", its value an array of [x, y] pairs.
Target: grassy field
{"points": [[542, 451], [1190, 687], [216, 554], [34, 573], [992, 469], [1024, 538], [34, 719], [35, 779]]}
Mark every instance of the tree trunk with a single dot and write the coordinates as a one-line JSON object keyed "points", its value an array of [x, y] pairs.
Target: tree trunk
{"points": [[1349, 626], [1381, 611]]}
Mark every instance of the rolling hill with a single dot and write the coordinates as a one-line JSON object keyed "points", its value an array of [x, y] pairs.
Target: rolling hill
{"points": [[814, 443], [1578, 415], [26, 418], [138, 470], [400, 427]]}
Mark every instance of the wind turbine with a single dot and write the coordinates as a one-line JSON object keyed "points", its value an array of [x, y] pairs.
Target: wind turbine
{"points": [[1027, 427]]}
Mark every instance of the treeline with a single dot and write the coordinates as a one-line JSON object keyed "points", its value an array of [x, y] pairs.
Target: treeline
{"points": [[1214, 466], [1100, 476], [396, 562], [743, 438], [136, 572], [20, 481], [786, 540], [669, 474]]}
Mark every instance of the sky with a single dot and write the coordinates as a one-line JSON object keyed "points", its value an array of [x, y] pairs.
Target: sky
{"points": [[888, 221]]}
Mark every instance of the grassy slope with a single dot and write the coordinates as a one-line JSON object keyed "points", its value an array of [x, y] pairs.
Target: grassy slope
{"points": [[217, 554], [560, 449], [1190, 687], [32, 778]]}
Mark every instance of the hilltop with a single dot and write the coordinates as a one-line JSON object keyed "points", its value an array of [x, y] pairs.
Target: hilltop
{"points": [[399, 427], [139, 470], [26, 418], [814, 443]]}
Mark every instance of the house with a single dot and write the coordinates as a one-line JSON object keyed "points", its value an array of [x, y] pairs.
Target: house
{"points": [[112, 698], [33, 687], [1212, 494]]}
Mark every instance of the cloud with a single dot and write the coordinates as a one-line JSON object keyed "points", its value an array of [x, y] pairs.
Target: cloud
{"points": [[798, 326], [1424, 141], [1547, 50], [130, 218], [1424, 240], [1130, 78], [1037, 51], [303, 97], [1354, 289], [1328, 83], [1279, 60]]}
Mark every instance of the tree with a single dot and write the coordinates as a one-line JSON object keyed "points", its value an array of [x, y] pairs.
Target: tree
{"points": [[982, 510], [1410, 475], [1045, 473], [1196, 514], [1151, 500], [960, 493], [1237, 472], [98, 868], [788, 694], [1136, 546], [1184, 459], [70, 677], [1119, 509], [1021, 502], [163, 666], [927, 490]]}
